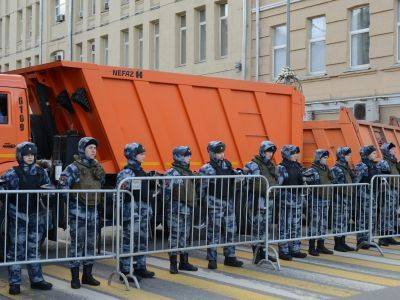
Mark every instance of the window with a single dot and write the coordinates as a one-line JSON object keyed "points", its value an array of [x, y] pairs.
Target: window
{"points": [[1, 33], [398, 30], [57, 55], [3, 109], [202, 35], [139, 6], [20, 26], [359, 37], [92, 51], [139, 47], [29, 18], [156, 45], [60, 10], [92, 7], [125, 48], [37, 61], [104, 52], [223, 30], [7, 32], [182, 39], [28, 62], [37, 22], [80, 9], [18, 64], [106, 5], [317, 45], [6, 67], [79, 52], [279, 53]]}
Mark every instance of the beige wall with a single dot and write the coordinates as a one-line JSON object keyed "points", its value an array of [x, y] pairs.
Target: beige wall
{"points": [[123, 17], [340, 82]]}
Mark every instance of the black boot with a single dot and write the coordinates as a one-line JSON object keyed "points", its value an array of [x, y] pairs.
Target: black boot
{"points": [[184, 264], [339, 246], [14, 289], [233, 262], [212, 264], [259, 255], [285, 256], [383, 242], [87, 277], [298, 254], [322, 249], [41, 285], [173, 264], [75, 282], [392, 241], [347, 247], [144, 273], [311, 248]]}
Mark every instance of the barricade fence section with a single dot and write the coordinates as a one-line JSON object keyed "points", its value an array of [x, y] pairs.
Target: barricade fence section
{"points": [[175, 214], [178, 213], [57, 226], [385, 208], [317, 211]]}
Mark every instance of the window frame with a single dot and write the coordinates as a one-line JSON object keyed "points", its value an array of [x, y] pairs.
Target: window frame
{"points": [[200, 25], [7, 116], [220, 20], [315, 40], [279, 47], [357, 32], [182, 30], [156, 45]]}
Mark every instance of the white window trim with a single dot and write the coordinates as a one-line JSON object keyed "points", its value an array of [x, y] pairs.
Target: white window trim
{"points": [[283, 46], [93, 52], [202, 23], [58, 9], [220, 31], [126, 48], [140, 48], [316, 40], [155, 54], [181, 30], [355, 32], [106, 52], [397, 32]]}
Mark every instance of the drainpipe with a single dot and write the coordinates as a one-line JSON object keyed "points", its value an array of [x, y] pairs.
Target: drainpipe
{"points": [[70, 10], [41, 23], [257, 38], [244, 40], [288, 64]]}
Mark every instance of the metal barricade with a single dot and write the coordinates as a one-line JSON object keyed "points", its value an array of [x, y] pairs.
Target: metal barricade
{"points": [[316, 212], [385, 211], [171, 214], [57, 226]]}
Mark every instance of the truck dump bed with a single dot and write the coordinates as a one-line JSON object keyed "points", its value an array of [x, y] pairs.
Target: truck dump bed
{"points": [[163, 110], [347, 131]]}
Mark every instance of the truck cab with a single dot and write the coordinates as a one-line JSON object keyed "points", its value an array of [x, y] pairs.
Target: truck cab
{"points": [[14, 118]]}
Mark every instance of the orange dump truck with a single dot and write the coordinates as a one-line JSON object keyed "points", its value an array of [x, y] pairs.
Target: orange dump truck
{"points": [[346, 131], [57, 103]]}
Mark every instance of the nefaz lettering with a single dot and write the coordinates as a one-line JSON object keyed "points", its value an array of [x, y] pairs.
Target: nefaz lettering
{"points": [[128, 73]]}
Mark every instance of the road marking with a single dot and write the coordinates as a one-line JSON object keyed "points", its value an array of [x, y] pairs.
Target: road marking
{"points": [[116, 289]]}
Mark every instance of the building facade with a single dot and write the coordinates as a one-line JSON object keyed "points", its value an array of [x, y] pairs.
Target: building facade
{"points": [[187, 36], [346, 53]]}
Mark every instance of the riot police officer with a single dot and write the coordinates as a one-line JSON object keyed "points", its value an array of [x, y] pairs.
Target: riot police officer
{"points": [[180, 195], [221, 210], [85, 173], [258, 204], [27, 218], [139, 211]]}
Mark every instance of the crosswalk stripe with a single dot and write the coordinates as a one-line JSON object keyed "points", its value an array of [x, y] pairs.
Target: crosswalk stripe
{"points": [[359, 262], [207, 285], [306, 266], [64, 287], [283, 281], [377, 259], [116, 289]]}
